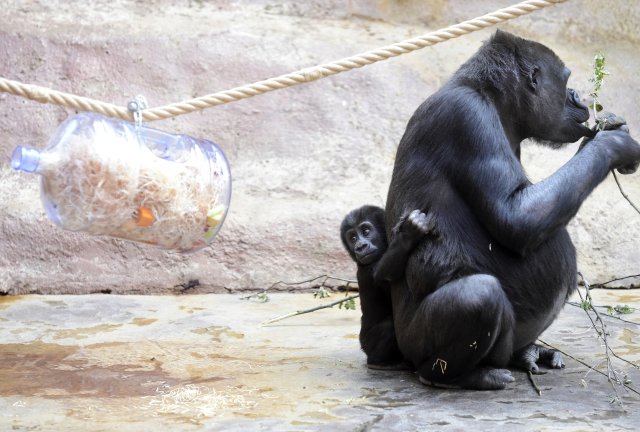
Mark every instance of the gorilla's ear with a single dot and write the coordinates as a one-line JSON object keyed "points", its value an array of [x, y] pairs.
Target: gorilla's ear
{"points": [[532, 78], [502, 36]]}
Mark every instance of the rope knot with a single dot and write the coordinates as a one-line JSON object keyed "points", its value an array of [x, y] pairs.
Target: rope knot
{"points": [[312, 74], [38, 94]]}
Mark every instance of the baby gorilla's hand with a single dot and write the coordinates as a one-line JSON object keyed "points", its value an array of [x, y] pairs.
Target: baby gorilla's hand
{"points": [[419, 224]]}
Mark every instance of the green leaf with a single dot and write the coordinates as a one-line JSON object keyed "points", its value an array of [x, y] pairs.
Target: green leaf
{"points": [[321, 293], [348, 304], [624, 309]]}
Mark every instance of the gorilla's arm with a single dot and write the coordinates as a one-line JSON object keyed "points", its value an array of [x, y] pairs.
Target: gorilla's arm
{"points": [[378, 341], [406, 235], [521, 215]]}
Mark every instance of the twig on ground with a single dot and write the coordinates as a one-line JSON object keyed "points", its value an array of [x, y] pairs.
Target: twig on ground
{"points": [[578, 305], [330, 305], [602, 333], [325, 278], [588, 366], [602, 284], [612, 375], [533, 383]]}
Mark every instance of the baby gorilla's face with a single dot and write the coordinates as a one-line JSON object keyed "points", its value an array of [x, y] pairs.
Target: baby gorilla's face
{"points": [[365, 242], [363, 234]]}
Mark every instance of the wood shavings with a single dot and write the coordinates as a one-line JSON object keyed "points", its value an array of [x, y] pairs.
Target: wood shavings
{"points": [[106, 182], [198, 401]]}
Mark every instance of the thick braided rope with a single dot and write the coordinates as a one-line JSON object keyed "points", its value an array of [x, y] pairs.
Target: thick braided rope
{"points": [[45, 95]]}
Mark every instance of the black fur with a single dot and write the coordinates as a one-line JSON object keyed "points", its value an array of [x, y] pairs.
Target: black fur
{"points": [[364, 236], [503, 263]]}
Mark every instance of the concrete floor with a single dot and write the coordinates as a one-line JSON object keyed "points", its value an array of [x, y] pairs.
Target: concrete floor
{"points": [[204, 362]]}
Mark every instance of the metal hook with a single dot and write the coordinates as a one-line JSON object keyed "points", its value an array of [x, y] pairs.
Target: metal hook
{"points": [[136, 106]]}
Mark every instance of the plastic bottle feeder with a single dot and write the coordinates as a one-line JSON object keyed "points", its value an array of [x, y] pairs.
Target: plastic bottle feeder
{"points": [[109, 177]]}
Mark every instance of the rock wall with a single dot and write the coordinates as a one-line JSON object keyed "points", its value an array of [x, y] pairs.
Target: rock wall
{"points": [[301, 157]]}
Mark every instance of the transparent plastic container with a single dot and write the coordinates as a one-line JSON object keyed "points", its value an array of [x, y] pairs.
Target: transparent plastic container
{"points": [[107, 177]]}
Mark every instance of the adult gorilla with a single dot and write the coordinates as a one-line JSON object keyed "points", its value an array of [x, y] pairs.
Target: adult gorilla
{"points": [[478, 294]]}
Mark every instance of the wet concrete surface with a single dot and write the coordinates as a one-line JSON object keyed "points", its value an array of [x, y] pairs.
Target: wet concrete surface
{"points": [[205, 362]]}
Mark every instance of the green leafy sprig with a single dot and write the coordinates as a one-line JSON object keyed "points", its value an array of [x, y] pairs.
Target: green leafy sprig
{"points": [[599, 73]]}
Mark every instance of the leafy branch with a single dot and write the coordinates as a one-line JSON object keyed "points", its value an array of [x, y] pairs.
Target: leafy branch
{"points": [[597, 79], [612, 312], [601, 330], [626, 383], [321, 292], [349, 301]]}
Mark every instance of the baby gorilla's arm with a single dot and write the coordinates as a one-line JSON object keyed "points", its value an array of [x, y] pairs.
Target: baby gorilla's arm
{"points": [[409, 231]]}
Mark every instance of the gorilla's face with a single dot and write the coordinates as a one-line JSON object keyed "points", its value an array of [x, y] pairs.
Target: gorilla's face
{"points": [[557, 116], [364, 235], [364, 241], [575, 114]]}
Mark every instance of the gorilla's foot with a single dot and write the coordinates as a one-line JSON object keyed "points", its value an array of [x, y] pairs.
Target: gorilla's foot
{"points": [[529, 357], [482, 378]]}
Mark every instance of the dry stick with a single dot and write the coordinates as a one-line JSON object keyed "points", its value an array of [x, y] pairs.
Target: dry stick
{"points": [[606, 314], [301, 312], [615, 177], [603, 335], [583, 363], [533, 383], [603, 326], [326, 278], [602, 284], [323, 284]]}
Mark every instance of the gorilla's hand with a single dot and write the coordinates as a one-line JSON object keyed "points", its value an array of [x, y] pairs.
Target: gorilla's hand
{"points": [[418, 224], [606, 121], [610, 121], [612, 133]]}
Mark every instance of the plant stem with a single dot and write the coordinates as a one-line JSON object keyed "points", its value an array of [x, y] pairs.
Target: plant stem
{"points": [[602, 284], [324, 278], [583, 363], [602, 334], [291, 314], [533, 383], [624, 194]]}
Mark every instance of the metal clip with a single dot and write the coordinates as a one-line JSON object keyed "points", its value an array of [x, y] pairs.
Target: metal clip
{"points": [[136, 106]]}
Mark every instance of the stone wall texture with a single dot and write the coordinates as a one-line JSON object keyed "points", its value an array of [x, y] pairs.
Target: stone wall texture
{"points": [[301, 157]]}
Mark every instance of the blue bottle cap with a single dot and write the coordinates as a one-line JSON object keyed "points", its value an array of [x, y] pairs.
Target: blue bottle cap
{"points": [[25, 159]]}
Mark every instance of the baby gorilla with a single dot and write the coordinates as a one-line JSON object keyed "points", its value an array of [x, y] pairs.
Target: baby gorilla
{"points": [[363, 234]]}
